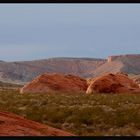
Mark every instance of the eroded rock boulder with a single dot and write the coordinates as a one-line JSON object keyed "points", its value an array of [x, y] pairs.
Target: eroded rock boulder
{"points": [[113, 83], [55, 82]]}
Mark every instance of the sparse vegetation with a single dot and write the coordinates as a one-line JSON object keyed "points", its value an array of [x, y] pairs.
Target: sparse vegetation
{"points": [[99, 115]]}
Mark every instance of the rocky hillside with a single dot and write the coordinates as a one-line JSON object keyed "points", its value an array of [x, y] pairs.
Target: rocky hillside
{"points": [[129, 64], [25, 71], [61, 83]]}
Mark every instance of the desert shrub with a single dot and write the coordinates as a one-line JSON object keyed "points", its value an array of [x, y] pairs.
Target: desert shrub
{"points": [[100, 114]]}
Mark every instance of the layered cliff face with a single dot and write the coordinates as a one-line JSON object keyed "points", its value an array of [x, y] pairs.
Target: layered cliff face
{"points": [[122, 57], [129, 64]]}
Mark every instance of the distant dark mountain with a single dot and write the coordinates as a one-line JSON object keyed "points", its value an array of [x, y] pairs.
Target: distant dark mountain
{"points": [[25, 71]]}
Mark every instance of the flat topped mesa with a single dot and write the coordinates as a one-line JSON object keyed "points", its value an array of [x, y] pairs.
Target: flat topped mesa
{"points": [[115, 57], [48, 82]]}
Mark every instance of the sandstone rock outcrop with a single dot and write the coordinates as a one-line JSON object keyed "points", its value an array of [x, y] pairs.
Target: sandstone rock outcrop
{"points": [[14, 125], [113, 83], [136, 78], [55, 82]]}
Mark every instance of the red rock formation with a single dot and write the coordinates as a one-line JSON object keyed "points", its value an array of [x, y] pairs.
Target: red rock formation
{"points": [[55, 82], [113, 83], [14, 125]]}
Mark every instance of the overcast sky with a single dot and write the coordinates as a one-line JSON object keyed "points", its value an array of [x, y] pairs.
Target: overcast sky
{"points": [[38, 31]]}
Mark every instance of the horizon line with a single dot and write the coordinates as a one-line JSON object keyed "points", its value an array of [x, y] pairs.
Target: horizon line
{"points": [[65, 57]]}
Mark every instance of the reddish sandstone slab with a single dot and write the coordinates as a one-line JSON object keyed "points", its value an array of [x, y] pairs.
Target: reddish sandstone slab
{"points": [[14, 125]]}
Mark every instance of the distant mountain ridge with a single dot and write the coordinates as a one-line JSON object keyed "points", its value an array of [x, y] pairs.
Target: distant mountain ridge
{"points": [[25, 71], [129, 64]]}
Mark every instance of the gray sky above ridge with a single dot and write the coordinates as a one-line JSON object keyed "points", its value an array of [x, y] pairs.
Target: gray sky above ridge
{"points": [[38, 31]]}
